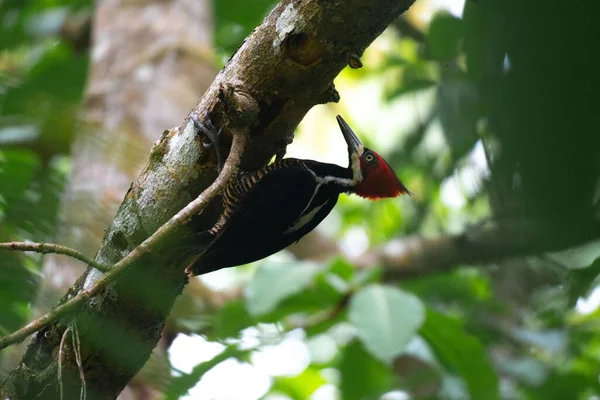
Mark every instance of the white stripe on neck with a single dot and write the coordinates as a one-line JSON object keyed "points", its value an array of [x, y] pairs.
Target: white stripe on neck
{"points": [[356, 171], [356, 175]]}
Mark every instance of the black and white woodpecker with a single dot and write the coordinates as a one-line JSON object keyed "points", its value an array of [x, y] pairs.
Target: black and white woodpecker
{"points": [[267, 210]]}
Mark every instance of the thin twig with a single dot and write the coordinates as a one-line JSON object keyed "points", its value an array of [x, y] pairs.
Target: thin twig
{"points": [[326, 315], [77, 351], [60, 359], [46, 248], [179, 219]]}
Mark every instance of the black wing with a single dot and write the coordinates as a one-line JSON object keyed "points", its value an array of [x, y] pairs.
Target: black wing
{"points": [[260, 225]]}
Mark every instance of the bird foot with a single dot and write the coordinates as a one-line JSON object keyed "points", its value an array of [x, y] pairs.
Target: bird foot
{"points": [[213, 135]]}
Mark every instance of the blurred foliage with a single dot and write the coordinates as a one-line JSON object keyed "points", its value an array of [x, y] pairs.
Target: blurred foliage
{"points": [[233, 22], [487, 116], [41, 83]]}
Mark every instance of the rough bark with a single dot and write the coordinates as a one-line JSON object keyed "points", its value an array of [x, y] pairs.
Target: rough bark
{"points": [[418, 256], [283, 69]]}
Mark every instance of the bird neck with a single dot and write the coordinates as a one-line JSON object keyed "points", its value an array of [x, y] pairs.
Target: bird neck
{"points": [[356, 168], [325, 173]]}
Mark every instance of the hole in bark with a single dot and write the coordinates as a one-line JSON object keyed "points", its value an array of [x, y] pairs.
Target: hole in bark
{"points": [[304, 49], [119, 240]]}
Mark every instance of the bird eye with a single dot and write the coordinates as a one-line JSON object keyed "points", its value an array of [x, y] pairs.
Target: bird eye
{"points": [[370, 159]]}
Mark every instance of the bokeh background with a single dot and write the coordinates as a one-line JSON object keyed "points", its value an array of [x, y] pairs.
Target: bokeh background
{"points": [[486, 110]]}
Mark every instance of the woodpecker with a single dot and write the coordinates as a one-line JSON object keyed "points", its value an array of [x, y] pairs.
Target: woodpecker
{"points": [[267, 210]]}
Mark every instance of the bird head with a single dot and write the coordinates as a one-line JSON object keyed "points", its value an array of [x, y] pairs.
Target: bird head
{"points": [[372, 176]]}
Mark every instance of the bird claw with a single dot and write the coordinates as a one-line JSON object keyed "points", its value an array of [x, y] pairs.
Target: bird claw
{"points": [[213, 135]]}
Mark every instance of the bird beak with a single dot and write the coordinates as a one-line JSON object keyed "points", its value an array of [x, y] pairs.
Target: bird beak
{"points": [[354, 145]]}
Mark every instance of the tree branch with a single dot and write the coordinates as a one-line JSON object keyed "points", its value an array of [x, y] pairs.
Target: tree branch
{"points": [[46, 248], [178, 220], [418, 256]]}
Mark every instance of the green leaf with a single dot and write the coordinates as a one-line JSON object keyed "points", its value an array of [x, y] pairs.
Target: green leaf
{"points": [[366, 276], [581, 281], [275, 282], [387, 318], [180, 385], [324, 325], [566, 385], [445, 36], [231, 319], [299, 387], [234, 22], [577, 257], [529, 370], [549, 340], [363, 377], [195, 324], [341, 267], [459, 108], [17, 171], [462, 354], [321, 293], [410, 86]]}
